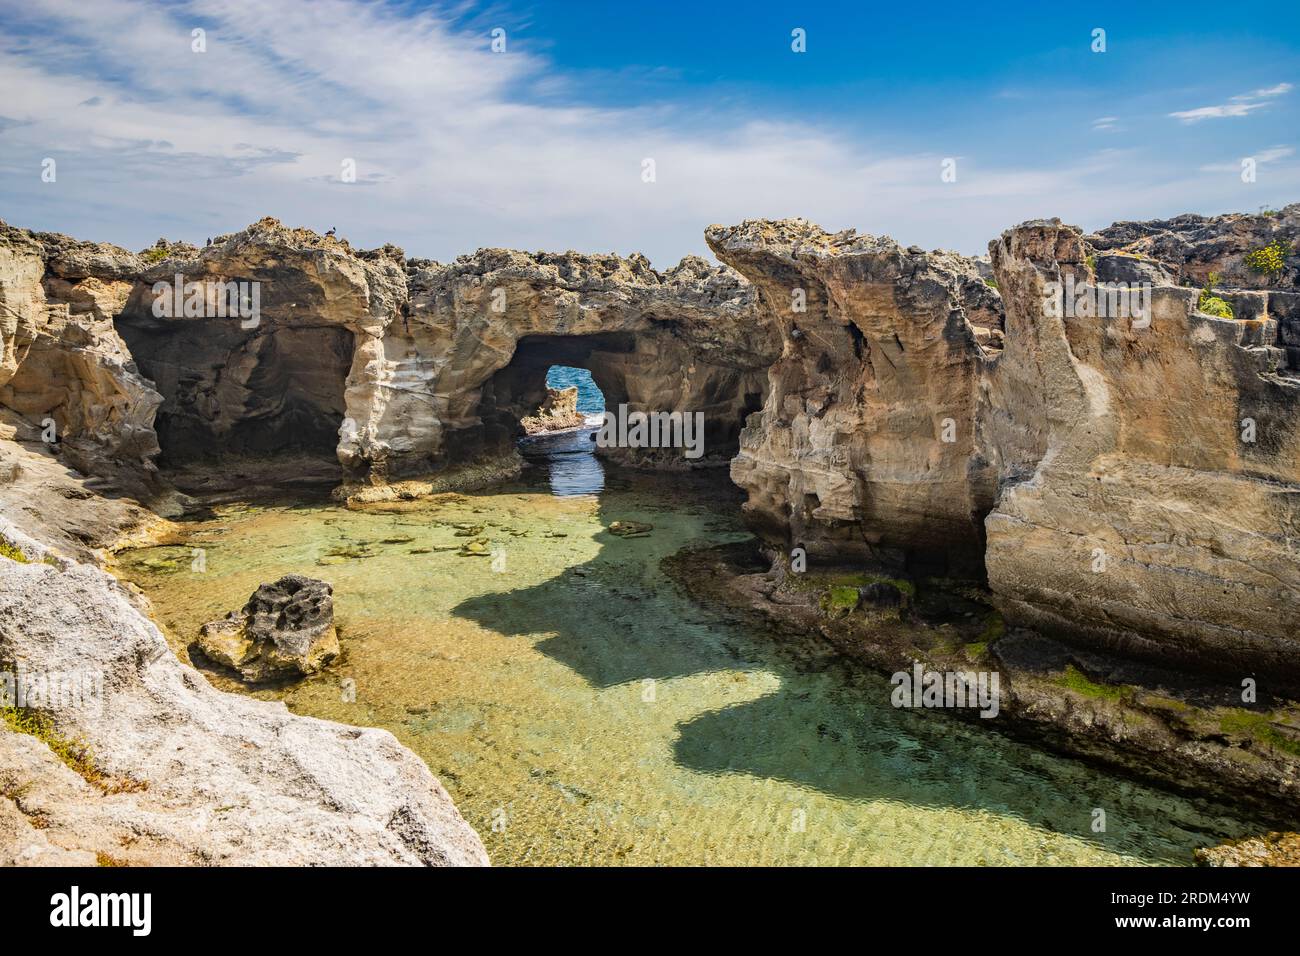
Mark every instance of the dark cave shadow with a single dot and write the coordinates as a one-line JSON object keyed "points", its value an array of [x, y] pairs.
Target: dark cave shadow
{"points": [[828, 725]]}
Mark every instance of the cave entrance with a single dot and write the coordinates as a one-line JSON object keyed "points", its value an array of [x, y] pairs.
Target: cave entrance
{"points": [[646, 371], [516, 397], [559, 433], [238, 395]]}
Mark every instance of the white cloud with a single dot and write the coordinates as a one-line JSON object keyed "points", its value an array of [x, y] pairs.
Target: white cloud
{"points": [[1278, 90], [1241, 105], [1261, 158], [456, 147]]}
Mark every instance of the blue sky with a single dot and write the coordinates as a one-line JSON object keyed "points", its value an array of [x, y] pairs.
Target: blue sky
{"points": [[543, 145]]}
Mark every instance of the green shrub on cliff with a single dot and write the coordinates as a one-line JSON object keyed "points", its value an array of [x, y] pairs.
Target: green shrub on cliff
{"points": [[1213, 305], [1267, 260]]}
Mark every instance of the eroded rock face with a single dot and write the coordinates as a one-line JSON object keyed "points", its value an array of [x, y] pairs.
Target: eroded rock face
{"points": [[451, 380], [66, 377], [1138, 485], [868, 444], [891, 414], [279, 383], [395, 369], [1150, 477], [285, 630], [1191, 247]]}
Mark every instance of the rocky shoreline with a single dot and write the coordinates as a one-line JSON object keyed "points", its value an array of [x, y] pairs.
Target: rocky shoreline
{"points": [[1147, 722], [1117, 497], [161, 768]]}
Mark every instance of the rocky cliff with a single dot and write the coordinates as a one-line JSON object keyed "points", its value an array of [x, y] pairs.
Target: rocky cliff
{"points": [[364, 366], [1150, 476], [66, 377], [1133, 485], [867, 445], [1128, 485]]}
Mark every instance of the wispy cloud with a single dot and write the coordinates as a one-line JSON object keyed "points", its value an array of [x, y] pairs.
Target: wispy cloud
{"points": [[459, 147], [1261, 158], [1241, 105]]}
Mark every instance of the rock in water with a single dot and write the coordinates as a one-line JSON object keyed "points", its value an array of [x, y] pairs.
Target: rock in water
{"points": [[285, 630], [559, 411]]}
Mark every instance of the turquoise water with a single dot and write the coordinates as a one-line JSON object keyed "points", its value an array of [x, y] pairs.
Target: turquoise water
{"points": [[590, 399], [580, 709]]}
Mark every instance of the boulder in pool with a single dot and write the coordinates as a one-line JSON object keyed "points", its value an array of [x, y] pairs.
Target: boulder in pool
{"points": [[286, 630]]}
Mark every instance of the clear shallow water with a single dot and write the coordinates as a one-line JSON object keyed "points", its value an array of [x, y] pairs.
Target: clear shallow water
{"points": [[580, 710]]}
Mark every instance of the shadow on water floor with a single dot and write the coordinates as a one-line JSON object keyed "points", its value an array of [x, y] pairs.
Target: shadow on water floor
{"points": [[580, 709], [818, 722]]}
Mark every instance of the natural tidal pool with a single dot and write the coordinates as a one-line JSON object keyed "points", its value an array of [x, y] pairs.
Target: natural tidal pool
{"points": [[581, 710]]}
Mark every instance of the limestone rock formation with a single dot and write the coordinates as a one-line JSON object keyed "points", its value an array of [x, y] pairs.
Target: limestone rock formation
{"points": [[278, 383], [917, 410], [868, 443], [452, 379], [1132, 486], [66, 377], [364, 362], [285, 630], [559, 411], [1191, 247], [1149, 476], [180, 772]]}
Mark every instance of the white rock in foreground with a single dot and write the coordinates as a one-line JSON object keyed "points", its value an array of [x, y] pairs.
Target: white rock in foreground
{"points": [[231, 780]]}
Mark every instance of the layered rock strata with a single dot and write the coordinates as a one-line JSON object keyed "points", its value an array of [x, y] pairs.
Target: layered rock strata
{"points": [[1130, 484], [868, 445], [1149, 476]]}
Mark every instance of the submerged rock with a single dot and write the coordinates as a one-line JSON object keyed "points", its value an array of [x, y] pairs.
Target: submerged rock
{"points": [[285, 630], [630, 529], [1273, 849]]}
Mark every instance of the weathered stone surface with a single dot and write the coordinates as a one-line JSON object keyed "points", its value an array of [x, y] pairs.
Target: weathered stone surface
{"points": [[893, 415], [1272, 849], [1192, 246], [450, 382], [285, 630], [188, 774], [867, 445], [559, 411], [1131, 512], [66, 378], [278, 384]]}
